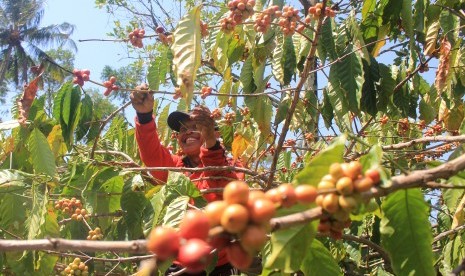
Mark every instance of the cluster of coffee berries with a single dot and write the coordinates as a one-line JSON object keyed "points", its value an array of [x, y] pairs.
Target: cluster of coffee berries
{"points": [[288, 20], [68, 206], [188, 245], [240, 10], [135, 37], [206, 91], [216, 114], [229, 118], [110, 85], [314, 12], [437, 129], [348, 181], [95, 234], [403, 126], [290, 143], [309, 137], [77, 267], [384, 120], [203, 29], [244, 111], [80, 76], [80, 214], [263, 20]]}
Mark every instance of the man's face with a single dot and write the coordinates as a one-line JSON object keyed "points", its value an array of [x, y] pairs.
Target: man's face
{"points": [[189, 138]]}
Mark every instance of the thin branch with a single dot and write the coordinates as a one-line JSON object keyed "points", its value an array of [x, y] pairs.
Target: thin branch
{"points": [[182, 169], [457, 271], [448, 232], [97, 259]]}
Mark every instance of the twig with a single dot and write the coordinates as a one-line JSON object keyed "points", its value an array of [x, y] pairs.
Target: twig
{"points": [[459, 268], [97, 259], [102, 126], [448, 232], [410, 75]]}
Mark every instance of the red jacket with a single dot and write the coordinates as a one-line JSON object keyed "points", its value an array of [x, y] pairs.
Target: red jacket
{"points": [[154, 154]]}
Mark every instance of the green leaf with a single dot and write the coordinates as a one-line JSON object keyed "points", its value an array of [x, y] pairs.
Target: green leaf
{"points": [[282, 110], [391, 12], [288, 247], [248, 84], [276, 65], [427, 112], [187, 52], [225, 89], [133, 204], [58, 100], [235, 50], [327, 40], [162, 124], [386, 87], [319, 261], [406, 233], [327, 109], [69, 116], [263, 118], [36, 218], [317, 167], [153, 74], [288, 61], [227, 134], [108, 197], [85, 119], [453, 252], [369, 91], [350, 77], [43, 160], [175, 211]]}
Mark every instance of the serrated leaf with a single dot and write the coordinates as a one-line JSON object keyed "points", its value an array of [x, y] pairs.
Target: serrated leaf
{"points": [[175, 211], [431, 38], [187, 52], [406, 233], [327, 40], [247, 80], [319, 261], [351, 78], [158, 69], [42, 157], [133, 204], [85, 118], [369, 91], [36, 218], [276, 65], [288, 61], [288, 247], [262, 118], [317, 167]]}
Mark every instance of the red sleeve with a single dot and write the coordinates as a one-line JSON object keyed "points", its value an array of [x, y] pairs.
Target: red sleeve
{"points": [[152, 152]]}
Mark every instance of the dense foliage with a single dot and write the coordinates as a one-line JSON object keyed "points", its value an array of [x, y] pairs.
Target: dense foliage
{"points": [[292, 93]]}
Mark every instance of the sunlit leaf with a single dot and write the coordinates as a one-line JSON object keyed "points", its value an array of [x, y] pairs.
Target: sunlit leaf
{"points": [[406, 233], [239, 145], [187, 52], [43, 159], [319, 261]]}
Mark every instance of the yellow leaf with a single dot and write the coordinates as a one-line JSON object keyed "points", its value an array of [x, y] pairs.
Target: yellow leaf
{"points": [[239, 145], [56, 141], [458, 218]]}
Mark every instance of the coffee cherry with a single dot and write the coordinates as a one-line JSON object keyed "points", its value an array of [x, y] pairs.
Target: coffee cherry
{"points": [[235, 218], [214, 210], [345, 186], [253, 196], [164, 242], [238, 257], [330, 203], [288, 197], [195, 225], [305, 194], [236, 192], [348, 203], [194, 255], [262, 211], [253, 238], [335, 170], [352, 170], [364, 184], [374, 175], [274, 196], [160, 30]]}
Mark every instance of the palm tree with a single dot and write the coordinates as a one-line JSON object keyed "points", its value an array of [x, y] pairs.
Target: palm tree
{"points": [[21, 38]]}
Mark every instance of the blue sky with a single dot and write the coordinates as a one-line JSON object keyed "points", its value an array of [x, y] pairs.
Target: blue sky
{"points": [[89, 22]]}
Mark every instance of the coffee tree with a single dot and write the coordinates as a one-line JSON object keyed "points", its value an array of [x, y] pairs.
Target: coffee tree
{"points": [[352, 147]]}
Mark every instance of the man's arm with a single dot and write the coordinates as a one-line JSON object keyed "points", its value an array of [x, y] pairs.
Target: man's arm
{"points": [[152, 153]]}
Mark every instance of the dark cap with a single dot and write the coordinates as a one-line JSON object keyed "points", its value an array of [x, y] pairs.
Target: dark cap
{"points": [[175, 119]]}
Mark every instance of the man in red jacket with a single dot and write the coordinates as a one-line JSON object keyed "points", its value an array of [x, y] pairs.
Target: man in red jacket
{"points": [[197, 138]]}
